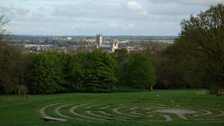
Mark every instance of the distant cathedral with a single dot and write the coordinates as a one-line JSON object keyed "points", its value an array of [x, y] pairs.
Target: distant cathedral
{"points": [[106, 47]]}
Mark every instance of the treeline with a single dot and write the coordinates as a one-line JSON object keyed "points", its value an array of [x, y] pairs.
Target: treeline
{"points": [[52, 72], [56, 72]]}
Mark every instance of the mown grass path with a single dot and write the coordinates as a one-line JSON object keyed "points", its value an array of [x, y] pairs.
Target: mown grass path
{"points": [[159, 107]]}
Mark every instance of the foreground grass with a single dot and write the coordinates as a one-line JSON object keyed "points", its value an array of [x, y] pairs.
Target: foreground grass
{"points": [[17, 111]]}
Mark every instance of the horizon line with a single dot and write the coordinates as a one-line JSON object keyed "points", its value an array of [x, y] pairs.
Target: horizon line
{"points": [[91, 35]]}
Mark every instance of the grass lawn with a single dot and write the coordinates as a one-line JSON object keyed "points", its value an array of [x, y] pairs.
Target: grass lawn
{"points": [[128, 108]]}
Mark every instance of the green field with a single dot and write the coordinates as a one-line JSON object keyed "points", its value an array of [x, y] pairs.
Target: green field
{"points": [[127, 108]]}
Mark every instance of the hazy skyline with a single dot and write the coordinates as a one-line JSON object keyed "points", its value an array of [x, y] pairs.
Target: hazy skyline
{"points": [[109, 17]]}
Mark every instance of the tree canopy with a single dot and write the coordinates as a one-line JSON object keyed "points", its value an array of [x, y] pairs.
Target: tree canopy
{"points": [[199, 50], [99, 72], [139, 72]]}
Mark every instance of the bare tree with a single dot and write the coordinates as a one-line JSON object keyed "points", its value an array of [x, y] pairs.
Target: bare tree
{"points": [[3, 22]]}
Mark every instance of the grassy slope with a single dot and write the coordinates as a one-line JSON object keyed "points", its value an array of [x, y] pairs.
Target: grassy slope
{"points": [[15, 111]]}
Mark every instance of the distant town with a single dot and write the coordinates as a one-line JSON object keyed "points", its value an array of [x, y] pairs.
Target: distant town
{"points": [[32, 43]]}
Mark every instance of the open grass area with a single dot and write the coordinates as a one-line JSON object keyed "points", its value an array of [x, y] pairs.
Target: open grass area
{"points": [[129, 108]]}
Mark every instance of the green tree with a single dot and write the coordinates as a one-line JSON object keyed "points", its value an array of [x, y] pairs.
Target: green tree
{"points": [[121, 56], [99, 71], [200, 49], [74, 72], [169, 74], [139, 72], [10, 68], [46, 73]]}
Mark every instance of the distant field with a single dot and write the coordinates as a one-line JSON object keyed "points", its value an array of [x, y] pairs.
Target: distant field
{"points": [[163, 40], [159, 107]]}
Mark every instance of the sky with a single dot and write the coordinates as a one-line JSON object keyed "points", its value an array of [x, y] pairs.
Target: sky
{"points": [[108, 17]]}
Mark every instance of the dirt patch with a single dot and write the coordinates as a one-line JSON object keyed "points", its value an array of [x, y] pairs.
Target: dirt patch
{"points": [[178, 112]]}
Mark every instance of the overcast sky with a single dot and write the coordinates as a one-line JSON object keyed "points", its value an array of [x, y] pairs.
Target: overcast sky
{"points": [[109, 17]]}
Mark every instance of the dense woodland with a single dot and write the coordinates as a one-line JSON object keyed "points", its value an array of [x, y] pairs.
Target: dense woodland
{"points": [[195, 60]]}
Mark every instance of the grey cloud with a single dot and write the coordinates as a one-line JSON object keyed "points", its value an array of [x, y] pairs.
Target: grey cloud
{"points": [[12, 12], [171, 9], [189, 2], [158, 17], [94, 9]]}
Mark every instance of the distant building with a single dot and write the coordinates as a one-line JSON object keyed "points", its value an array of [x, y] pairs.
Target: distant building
{"points": [[99, 40], [37, 47], [114, 46], [69, 38], [106, 47]]}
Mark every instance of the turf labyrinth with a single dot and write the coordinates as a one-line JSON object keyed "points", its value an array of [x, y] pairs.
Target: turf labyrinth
{"points": [[90, 112]]}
